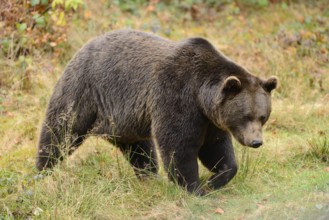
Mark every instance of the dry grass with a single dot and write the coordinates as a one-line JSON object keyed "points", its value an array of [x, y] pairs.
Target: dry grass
{"points": [[286, 179]]}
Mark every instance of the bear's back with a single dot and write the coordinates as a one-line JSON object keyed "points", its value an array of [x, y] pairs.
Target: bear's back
{"points": [[126, 50], [122, 54]]}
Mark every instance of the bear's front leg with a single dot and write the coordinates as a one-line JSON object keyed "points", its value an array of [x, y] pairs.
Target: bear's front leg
{"points": [[217, 155], [183, 168], [179, 144]]}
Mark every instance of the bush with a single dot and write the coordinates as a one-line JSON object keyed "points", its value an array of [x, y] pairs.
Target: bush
{"points": [[40, 24]]}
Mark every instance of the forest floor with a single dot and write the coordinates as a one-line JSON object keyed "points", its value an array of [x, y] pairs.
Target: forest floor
{"points": [[287, 178]]}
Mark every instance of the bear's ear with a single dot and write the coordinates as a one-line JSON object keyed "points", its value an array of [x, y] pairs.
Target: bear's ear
{"points": [[270, 84], [232, 85]]}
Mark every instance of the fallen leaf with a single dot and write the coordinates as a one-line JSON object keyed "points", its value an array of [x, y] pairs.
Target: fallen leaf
{"points": [[10, 114], [219, 211], [87, 14], [301, 19], [37, 211], [150, 8], [327, 169], [319, 206], [53, 44], [259, 205]]}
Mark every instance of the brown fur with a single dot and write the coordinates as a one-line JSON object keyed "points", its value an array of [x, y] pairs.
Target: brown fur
{"points": [[137, 89]]}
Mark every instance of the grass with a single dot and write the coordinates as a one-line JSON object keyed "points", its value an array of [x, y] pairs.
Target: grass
{"points": [[288, 178]]}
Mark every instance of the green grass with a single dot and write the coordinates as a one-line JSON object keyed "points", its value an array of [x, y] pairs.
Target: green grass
{"points": [[287, 178]]}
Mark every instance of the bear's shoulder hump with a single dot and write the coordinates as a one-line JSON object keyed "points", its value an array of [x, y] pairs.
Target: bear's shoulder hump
{"points": [[199, 41]]}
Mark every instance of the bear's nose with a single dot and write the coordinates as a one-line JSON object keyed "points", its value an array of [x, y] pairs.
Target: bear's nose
{"points": [[256, 143]]}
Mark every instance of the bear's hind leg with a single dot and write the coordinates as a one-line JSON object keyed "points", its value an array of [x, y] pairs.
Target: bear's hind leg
{"points": [[48, 151], [142, 156], [217, 155], [53, 147], [61, 136]]}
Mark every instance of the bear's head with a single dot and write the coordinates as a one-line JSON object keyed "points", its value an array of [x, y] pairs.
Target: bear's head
{"points": [[241, 105], [244, 111]]}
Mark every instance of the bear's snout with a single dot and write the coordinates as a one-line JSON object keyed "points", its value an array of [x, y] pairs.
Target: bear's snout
{"points": [[256, 143], [250, 135]]}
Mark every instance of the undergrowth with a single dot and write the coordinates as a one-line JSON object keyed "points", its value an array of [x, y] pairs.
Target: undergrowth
{"points": [[288, 178], [319, 149]]}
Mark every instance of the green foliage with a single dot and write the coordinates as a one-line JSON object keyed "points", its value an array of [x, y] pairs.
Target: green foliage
{"points": [[35, 2], [129, 5], [39, 2], [39, 20], [284, 5], [42, 24], [286, 178], [68, 4], [262, 3], [21, 27]]}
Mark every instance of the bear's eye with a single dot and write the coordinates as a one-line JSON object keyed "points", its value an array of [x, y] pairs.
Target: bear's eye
{"points": [[248, 117], [262, 119]]}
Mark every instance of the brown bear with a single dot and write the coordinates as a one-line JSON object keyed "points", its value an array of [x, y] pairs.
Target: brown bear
{"points": [[140, 91]]}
